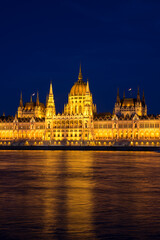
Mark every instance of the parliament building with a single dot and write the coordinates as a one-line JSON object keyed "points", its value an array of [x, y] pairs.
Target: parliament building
{"points": [[38, 124]]}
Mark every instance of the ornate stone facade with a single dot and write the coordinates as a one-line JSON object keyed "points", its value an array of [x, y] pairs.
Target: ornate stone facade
{"points": [[79, 124]]}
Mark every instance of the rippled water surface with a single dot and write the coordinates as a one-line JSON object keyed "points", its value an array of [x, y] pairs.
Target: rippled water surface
{"points": [[79, 195]]}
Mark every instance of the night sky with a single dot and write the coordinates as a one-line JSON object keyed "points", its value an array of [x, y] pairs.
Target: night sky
{"points": [[117, 42]]}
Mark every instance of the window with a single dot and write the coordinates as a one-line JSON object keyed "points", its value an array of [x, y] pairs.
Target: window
{"points": [[80, 109]]}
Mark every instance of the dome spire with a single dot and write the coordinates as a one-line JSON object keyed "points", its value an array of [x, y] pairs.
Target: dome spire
{"points": [[80, 74]]}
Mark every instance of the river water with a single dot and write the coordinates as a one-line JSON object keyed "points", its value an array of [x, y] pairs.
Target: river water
{"points": [[79, 195]]}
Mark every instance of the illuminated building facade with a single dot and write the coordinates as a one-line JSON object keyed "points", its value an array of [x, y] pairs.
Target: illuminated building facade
{"points": [[79, 124]]}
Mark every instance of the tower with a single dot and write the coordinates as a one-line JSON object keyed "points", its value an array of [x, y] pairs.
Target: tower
{"points": [[37, 107], [138, 96], [50, 105], [118, 103], [20, 108], [88, 109], [50, 113], [88, 115], [37, 100], [118, 98]]}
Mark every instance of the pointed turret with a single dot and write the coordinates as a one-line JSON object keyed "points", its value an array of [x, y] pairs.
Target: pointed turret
{"points": [[51, 88], [80, 74], [143, 98], [118, 98], [87, 87], [50, 102], [31, 99], [37, 100], [21, 101], [138, 96]]}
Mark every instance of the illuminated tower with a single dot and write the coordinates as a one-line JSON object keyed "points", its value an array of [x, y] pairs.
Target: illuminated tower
{"points": [[130, 106], [117, 104], [77, 98], [50, 113], [20, 108], [50, 105], [39, 108]]}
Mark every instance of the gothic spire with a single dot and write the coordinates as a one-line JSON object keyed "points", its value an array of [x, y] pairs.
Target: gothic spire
{"points": [[51, 88], [138, 96], [21, 101], [80, 74], [87, 87], [50, 102], [118, 98], [37, 100]]}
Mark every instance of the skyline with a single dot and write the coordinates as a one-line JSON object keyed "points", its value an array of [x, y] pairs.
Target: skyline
{"points": [[116, 42], [130, 93]]}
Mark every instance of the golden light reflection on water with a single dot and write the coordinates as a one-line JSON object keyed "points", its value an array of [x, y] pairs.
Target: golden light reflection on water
{"points": [[79, 195], [67, 194]]}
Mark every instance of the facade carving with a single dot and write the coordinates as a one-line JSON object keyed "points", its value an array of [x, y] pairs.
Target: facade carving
{"points": [[80, 124]]}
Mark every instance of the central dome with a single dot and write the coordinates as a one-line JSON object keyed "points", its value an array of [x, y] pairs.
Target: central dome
{"points": [[79, 88]]}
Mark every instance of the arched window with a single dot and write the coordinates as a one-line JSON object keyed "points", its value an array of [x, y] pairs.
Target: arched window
{"points": [[80, 109], [76, 109]]}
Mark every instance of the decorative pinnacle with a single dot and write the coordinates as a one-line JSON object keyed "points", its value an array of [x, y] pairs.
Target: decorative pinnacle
{"points": [[37, 100], [138, 95], [51, 88], [87, 87], [118, 98], [80, 73], [21, 101]]}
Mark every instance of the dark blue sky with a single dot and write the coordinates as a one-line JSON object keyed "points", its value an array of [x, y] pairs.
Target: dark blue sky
{"points": [[117, 42]]}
